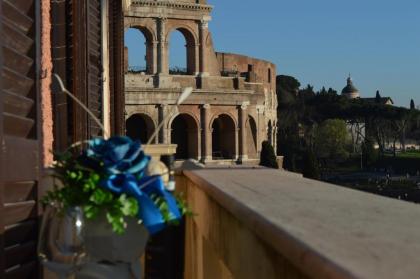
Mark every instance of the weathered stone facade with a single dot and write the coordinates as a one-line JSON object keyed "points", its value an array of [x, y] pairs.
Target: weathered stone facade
{"points": [[233, 106]]}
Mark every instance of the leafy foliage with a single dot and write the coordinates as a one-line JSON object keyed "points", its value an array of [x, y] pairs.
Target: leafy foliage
{"points": [[80, 187], [331, 139], [302, 111], [369, 153]]}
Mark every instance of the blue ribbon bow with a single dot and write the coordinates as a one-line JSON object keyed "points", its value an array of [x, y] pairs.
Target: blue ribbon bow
{"points": [[142, 190]]}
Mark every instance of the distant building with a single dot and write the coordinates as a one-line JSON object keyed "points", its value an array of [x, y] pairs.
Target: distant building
{"points": [[350, 91], [357, 131], [382, 100]]}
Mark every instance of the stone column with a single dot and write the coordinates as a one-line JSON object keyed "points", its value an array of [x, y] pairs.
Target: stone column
{"points": [[152, 57], [237, 136], [272, 134], [163, 133], [206, 145], [162, 51], [243, 152], [275, 139], [197, 59], [261, 132], [203, 27]]}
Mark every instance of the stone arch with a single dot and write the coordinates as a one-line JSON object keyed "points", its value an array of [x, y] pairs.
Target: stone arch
{"points": [[185, 133], [150, 38], [224, 112], [140, 126], [223, 129], [185, 29], [251, 134], [148, 33], [189, 113], [190, 46]]}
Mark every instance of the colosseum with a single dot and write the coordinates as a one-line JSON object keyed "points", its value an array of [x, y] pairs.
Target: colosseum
{"points": [[232, 109]]}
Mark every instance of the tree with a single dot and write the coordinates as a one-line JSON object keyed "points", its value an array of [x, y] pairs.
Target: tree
{"points": [[369, 154], [331, 140], [323, 91], [378, 97], [332, 91], [310, 165], [287, 84], [412, 105], [268, 157]]}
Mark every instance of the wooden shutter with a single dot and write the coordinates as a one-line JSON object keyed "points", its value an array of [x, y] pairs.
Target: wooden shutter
{"points": [[83, 70], [94, 64], [86, 66], [60, 36], [19, 138], [116, 32]]}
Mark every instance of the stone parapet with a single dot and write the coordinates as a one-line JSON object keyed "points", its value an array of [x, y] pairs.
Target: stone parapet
{"points": [[170, 9], [157, 150], [292, 227]]}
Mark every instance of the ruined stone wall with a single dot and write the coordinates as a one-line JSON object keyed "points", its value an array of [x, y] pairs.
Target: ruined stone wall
{"points": [[262, 72], [230, 61]]}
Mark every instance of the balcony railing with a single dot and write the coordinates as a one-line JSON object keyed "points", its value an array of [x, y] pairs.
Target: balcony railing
{"points": [[143, 69], [261, 223], [178, 71], [137, 69]]}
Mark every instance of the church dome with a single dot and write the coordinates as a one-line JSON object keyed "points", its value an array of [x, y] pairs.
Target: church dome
{"points": [[350, 90]]}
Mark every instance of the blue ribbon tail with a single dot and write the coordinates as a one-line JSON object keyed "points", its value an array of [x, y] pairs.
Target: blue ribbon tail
{"points": [[148, 212], [157, 187]]}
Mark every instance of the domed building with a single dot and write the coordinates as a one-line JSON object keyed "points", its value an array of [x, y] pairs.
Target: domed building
{"points": [[350, 91]]}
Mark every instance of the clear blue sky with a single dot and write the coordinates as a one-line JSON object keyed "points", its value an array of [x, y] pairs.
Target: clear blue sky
{"points": [[321, 41]]}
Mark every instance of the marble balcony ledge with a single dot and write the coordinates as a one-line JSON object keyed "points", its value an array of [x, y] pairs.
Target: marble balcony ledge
{"points": [[262, 223]]}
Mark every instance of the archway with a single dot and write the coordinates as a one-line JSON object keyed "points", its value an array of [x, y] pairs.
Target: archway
{"points": [[140, 127], [182, 53], [139, 50], [223, 137], [251, 130], [185, 134]]}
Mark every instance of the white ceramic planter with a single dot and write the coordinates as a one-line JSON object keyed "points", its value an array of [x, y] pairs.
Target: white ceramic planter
{"points": [[111, 255]]}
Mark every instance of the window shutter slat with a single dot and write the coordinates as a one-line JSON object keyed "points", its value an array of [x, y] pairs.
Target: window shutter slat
{"points": [[18, 126], [17, 17], [16, 83], [17, 61], [17, 104]]}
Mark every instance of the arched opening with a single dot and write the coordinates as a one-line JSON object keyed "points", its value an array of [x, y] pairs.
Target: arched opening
{"points": [[185, 135], [182, 52], [252, 137], [140, 127], [223, 138], [138, 50]]}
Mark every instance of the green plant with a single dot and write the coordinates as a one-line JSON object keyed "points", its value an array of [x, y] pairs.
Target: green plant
{"points": [[108, 178]]}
